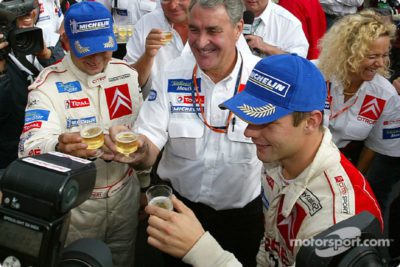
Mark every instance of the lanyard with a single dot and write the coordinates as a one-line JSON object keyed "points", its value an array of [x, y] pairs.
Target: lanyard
{"points": [[335, 115], [196, 99]]}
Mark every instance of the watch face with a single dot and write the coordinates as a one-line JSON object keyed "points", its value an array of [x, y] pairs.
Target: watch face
{"points": [[11, 261]]}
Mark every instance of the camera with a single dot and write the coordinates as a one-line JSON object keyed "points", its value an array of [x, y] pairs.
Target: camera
{"points": [[38, 193], [24, 41]]}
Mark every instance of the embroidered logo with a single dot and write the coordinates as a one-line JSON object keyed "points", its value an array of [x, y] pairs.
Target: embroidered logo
{"points": [[81, 49], [77, 103], [118, 101], [371, 108], [289, 227], [258, 112], [269, 83], [110, 43]]}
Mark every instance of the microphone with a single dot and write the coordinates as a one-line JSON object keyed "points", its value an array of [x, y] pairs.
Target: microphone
{"points": [[248, 18]]}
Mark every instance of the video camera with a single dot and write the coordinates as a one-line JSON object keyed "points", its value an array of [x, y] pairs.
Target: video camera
{"points": [[38, 193], [25, 40]]}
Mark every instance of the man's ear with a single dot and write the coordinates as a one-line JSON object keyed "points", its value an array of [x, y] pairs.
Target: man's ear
{"points": [[314, 121], [239, 27]]}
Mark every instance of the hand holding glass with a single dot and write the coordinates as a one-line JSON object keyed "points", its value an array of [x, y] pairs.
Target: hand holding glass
{"points": [[127, 143], [161, 196]]}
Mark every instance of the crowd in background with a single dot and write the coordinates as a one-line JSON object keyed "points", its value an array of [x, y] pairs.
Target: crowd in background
{"points": [[45, 95]]}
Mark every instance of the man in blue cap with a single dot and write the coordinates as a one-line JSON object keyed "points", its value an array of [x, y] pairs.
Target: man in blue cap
{"points": [[307, 184], [86, 87]]}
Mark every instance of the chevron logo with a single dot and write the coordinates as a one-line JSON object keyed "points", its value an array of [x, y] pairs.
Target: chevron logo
{"points": [[118, 101], [372, 108]]}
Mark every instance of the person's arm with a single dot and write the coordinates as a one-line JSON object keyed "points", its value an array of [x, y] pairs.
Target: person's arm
{"points": [[180, 234], [256, 43], [145, 63], [143, 158], [365, 159], [50, 55]]}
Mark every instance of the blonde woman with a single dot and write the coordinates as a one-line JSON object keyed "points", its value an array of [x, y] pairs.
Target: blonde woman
{"points": [[362, 105]]}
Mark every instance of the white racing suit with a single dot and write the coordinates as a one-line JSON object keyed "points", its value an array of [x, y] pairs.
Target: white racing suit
{"points": [[328, 191], [61, 97]]}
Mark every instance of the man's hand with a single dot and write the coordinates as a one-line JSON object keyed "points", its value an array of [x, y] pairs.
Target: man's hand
{"points": [[3, 44], [71, 143], [137, 157], [153, 42], [173, 232]]}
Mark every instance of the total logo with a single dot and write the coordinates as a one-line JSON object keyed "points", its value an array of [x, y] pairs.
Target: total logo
{"points": [[371, 109], [189, 99]]}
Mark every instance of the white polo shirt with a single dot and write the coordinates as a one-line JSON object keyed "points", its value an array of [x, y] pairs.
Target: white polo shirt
{"points": [[220, 170], [373, 115], [278, 27], [130, 11]]}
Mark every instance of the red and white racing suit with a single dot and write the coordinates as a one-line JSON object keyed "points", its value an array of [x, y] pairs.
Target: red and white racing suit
{"points": [[328, 191], [60, 99]]}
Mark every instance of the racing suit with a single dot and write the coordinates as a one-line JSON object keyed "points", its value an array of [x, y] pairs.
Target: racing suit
{"points": [[328, 191], [62, 96]]}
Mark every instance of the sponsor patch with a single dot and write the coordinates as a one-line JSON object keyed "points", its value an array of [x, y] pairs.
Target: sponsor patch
{"points": [[118, 101], [391, 133], [371, 109], [397, 121], [184, 109], [152, 95], [36, 151], [289, 227], [77, 103], [182, 85], [87, 26], [269, 83], [70, 87], [188, 99], [311, 201], [120, 77], [36, 115], [22, 142], [344, 195], [76, 122], [32, 102], [32, 125]]}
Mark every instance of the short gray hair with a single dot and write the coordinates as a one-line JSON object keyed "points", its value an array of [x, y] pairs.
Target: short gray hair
{"points": [[234, 8]]}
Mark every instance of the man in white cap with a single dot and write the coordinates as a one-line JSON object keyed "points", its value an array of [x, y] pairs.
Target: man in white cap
{"points": [[88, 86], [307, 184]]}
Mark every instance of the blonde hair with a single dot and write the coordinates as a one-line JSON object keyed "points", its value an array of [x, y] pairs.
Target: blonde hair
{"points": [[347, 42]]}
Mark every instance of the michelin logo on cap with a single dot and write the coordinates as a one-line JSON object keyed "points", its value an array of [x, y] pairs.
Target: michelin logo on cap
{"points": [[86, 26], [269, 83]]}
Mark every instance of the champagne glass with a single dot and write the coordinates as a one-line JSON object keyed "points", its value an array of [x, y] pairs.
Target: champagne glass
{"points": [[127, 143], [161, 196], [92, 135]]}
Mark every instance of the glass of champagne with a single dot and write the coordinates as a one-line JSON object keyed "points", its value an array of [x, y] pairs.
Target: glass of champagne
{"points": [[92, 135], [122, 33], [161, 196], [127, 143], [167, 37]]}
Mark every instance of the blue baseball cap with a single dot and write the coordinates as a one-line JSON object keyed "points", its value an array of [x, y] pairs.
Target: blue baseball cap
{"points": [[277, 86], [89, 27]]}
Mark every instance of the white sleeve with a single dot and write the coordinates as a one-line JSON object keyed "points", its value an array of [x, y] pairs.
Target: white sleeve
{"points": [[208, 253], [136, 45], [42, 125], [385, 135], [296, 41], [154, 114]]}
